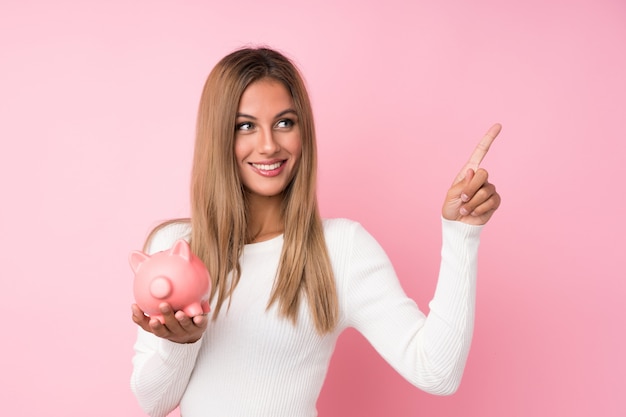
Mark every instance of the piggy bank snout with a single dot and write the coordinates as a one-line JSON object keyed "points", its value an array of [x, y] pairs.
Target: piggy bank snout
{"points": [[161, 287]]}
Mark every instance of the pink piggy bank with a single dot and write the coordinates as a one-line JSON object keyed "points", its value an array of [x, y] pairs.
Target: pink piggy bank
{"points": [[175, 276]]}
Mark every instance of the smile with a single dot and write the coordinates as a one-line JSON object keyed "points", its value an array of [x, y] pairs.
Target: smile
{"points": [[268, 167]]}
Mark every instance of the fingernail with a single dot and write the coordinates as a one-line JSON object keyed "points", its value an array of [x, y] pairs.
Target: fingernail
{"points": [[464, 211], [464, 197]]}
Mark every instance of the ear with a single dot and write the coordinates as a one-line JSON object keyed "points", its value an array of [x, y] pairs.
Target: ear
{"points": [[136, 258], [181, 248]]}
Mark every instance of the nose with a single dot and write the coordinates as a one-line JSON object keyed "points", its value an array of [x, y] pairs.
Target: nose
{"points": [[267, 142]]}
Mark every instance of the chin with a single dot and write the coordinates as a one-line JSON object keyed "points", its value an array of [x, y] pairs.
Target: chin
{"points": [[266, 192]]}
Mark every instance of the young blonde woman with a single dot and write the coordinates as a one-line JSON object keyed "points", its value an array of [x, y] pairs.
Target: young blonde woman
{"points": [[285, 282]]}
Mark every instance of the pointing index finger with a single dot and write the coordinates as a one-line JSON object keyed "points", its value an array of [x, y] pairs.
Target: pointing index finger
{"points": [[480, 151], [483, 146]]}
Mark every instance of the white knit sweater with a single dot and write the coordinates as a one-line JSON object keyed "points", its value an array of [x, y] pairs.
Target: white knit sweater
{"points": [[250, 362]]}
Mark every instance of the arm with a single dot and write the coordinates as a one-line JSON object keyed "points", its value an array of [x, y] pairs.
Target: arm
{"points": [[429, 351], [161, 371], [163, 362]]}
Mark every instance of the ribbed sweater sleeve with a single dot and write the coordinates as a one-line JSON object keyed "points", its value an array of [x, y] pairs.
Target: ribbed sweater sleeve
{"points": [[429, 351], [161, 369]]}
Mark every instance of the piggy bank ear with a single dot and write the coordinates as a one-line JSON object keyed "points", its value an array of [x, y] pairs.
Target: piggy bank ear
{"points": [[181, 248], [136, 258]]}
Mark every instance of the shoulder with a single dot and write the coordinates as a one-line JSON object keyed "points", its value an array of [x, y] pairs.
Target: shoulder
{"points": [[345, 236], [339, 228], [164, 235], [355, 255]]}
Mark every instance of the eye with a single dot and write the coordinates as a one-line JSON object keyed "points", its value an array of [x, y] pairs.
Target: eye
{"points": [[245, 126], [285, 123]]}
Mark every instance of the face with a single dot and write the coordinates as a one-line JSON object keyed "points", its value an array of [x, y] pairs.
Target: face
{"points": [[267, 138]]}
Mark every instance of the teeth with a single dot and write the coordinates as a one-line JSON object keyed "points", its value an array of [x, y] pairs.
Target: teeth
{"points": [[270, 167]]}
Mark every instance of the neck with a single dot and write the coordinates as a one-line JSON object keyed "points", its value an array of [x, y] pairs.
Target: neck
{"points": [[265, 219]]}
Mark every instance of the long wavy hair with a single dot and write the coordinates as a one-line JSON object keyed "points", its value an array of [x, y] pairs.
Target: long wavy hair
{"points": [[219, 214]]}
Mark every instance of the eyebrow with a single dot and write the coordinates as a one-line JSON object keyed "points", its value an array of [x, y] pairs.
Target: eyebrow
{"points": [[281, 114]]}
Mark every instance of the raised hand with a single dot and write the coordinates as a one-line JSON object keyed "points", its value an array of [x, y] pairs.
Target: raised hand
{"points": [[472, 199], [177, 326]]}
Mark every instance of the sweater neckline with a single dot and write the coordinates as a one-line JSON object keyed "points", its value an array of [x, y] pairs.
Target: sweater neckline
{"points": [[269, 244]]}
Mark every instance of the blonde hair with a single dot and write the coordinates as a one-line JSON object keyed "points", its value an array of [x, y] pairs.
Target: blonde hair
{"points": [[218, 204]]}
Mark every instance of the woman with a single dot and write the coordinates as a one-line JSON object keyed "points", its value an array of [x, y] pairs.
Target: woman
{"points": [[285, 282]]}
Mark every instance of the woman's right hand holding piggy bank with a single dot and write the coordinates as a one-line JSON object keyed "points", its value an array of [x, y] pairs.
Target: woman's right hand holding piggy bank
{"points": [[177, 326]]}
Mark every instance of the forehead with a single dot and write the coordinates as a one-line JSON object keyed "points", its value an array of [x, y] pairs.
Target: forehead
{"points": [[265, 95]]}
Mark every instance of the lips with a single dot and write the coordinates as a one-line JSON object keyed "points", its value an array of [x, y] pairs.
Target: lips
{"points": [[268, 169]]}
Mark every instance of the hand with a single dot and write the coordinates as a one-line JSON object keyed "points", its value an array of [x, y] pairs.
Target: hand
{"points": [[472, 199], [177, 326]]}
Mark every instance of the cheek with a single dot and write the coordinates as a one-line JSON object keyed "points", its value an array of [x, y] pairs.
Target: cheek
{"points": [[295, 147], [296, 153], [240, 150]]}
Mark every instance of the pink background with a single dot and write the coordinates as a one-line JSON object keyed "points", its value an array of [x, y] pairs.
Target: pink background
{"points": [[97, 109]]}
